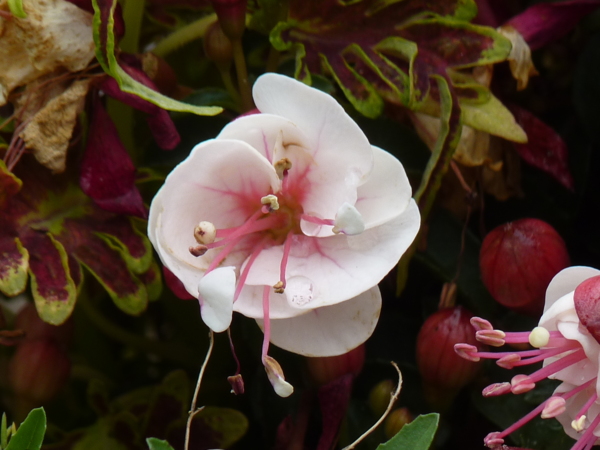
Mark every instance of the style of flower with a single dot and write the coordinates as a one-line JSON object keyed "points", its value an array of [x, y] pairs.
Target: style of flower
{"points": [[567, 341], [289, 217]]}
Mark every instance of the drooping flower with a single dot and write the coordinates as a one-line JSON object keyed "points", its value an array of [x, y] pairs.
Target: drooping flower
{"points": [[289, 217], [567, 341]]}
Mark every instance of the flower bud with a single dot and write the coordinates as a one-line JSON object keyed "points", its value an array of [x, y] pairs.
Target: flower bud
{"points": [[442, 370], [323, 370], [518, 260], [232, 16], [38, 370], [380, 395], [35, 328], [396, 420], [217, 46]]}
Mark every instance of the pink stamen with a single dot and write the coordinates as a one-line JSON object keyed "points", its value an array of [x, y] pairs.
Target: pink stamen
{"points": [[313, 219], [587, 439], [493, 440], [252, 225], [244, 274], [467, 351], [266, 322], [521, 384], [495, 338], [578, 389], [547, 353], [522, 421], [558, 365], [481, 324], [287, 246], [496, 389], [555, 406], [509, 361], [588, 404]]}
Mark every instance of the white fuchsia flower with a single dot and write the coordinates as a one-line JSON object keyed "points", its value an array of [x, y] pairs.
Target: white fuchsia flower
{"points": [[567, 341], [289, 217]]}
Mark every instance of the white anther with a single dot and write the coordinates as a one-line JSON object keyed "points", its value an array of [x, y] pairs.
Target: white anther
{"points": [[271, 201], [348, 220], [539, 337], [276, 377], [282, 166], [205, 233], [579, 424]]}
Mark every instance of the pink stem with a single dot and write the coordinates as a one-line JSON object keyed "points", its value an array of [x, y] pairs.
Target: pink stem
{"points": [[287, 246], [244, 274], [267, 322]]}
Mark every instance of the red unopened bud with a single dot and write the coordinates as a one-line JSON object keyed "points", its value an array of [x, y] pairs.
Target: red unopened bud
{"points": [[38, 370], [518, 260], [217, 46], [443, 371], [237, 384], [326, 369], [232, 16], [35, 328], [380, 395], [587, 305], [396, 420]]}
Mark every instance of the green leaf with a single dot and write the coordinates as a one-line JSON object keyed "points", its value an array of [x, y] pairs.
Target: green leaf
{"points": [[14, 261], [230, 425], [30, 434], [416, 435], [105, 53], [157, 444], [16, 8], [3, 432], [494, 118]]}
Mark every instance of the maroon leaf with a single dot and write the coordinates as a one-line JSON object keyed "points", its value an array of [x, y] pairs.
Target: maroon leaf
{"points": [[160, 122], [333, 399], [545, 149], [176, 285], [107, 172], [547, 22]]}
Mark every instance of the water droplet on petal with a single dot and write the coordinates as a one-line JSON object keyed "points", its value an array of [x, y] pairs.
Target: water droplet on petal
{"points": [[299, 291]]}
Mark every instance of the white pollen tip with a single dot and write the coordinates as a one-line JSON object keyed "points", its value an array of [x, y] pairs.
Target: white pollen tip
{"points": [[216, 290], [539, 337], [271, 201], [579, 424], [348, 220], [205, 233], [276, 377]]}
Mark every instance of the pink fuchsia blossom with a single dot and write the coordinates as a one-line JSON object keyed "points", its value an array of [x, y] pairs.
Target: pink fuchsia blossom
{"points": [[289, 217], [566, 340]]}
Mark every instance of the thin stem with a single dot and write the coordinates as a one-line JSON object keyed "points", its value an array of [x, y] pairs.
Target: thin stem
{"points": [[133, 14], [184, 35], [393, 399], [272, 60], [228, 83], [193, 409], [239, 60]]}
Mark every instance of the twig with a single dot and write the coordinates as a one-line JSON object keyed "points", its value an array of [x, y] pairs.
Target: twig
{"points": [[393, 399], [193, 409]]}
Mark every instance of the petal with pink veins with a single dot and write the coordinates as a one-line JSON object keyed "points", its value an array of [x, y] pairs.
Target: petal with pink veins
{"points": [[330, 330], [342, 156], [566, 281], [222, 182], [332, 269]]}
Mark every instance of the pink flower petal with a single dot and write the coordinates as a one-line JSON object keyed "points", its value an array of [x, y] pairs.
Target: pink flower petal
{"points": [[331, 330], [222, 182], [566, 281]]}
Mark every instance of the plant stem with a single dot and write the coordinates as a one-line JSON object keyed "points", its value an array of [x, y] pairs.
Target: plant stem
{"points": [[133, 14], [184, 35], [239, 60], [193, 409]]}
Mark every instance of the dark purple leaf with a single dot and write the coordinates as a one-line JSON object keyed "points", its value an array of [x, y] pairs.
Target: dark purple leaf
{"points": [[333, 399], [107, 172]]}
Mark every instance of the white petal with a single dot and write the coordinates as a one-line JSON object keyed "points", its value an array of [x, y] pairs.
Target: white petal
{"points": [[348, 220], [331, 330], [566, 281], [221, 182], [216, 290], [386, 193], [333, 269], [342, 156]]}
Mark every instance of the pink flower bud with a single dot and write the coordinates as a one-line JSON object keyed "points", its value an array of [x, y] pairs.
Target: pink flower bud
{"points": [[518, 260], [38, 370], [217, 46], [323, 370], [443, 371], [35, 328], [587, 305]]}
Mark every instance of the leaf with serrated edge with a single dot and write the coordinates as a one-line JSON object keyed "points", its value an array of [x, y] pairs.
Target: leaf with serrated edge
{"points": [[30, 434], [416, 435], [158, 444], [110, 65], [494, 118], [14, 262]]}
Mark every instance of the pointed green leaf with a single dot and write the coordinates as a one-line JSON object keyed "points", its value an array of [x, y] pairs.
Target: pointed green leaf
{"points": [[52, 286], [417, 435], [14, 262], [16, 8], [105, 53], [157, 444], [9, 184], [30, 434], [494, 118]]}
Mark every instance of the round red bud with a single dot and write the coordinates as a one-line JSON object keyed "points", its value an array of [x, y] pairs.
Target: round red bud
{"points": [[38, 370], [518, 260], [587, 305], [442, 370], [323, 370], [35, 328], [380, 396], [232, 16]]}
